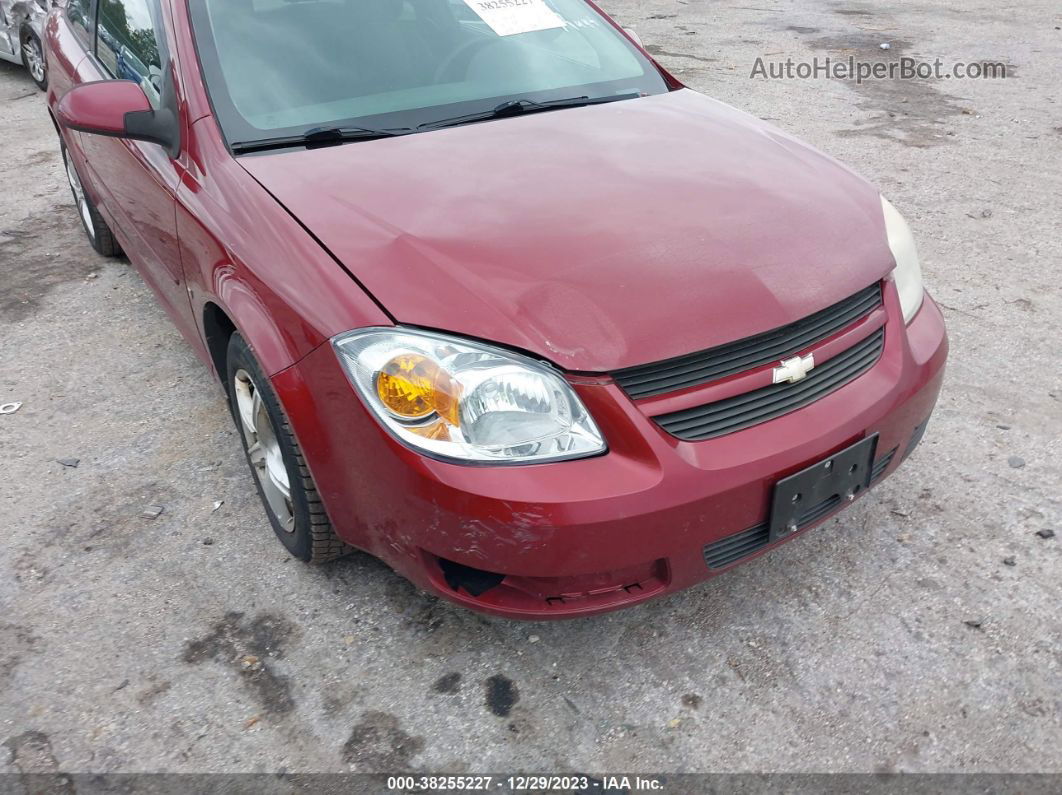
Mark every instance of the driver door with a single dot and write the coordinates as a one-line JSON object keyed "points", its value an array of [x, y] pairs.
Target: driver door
{"points": [[138, 181]]}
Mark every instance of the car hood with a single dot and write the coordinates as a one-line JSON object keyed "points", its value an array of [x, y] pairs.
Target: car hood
{"points": [[598, 237]]}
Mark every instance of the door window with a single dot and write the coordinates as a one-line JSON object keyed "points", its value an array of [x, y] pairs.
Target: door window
{"points": [[80, 13], [129, 43]]}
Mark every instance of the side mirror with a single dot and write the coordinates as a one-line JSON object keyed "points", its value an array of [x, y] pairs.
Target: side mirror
{"points": [[118, 109], [634, 35]]}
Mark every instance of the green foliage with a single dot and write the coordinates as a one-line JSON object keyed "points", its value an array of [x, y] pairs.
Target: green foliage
{"points": [[141, 41]]}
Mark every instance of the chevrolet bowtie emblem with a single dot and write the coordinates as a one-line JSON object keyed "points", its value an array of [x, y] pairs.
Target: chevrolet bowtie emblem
{"points": [[795, 369]]}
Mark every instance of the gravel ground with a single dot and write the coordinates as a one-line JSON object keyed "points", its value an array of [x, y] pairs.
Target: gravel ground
{"points": [[896, 638]]}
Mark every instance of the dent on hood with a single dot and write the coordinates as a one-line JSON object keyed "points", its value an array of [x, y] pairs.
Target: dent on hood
{"points": [[517, 296], [630, 233]]}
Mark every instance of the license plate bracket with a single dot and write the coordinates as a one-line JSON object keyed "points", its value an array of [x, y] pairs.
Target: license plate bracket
{"points": [[803, 498]]}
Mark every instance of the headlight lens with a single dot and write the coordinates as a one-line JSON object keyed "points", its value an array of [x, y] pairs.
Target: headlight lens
{"points": [[908, 272], [464, 401]]}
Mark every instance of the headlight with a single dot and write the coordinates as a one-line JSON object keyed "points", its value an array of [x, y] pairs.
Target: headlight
{"points": [[908, 273], [464, 401]]}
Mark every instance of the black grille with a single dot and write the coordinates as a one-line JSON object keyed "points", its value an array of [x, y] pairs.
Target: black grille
{"points": [[735, 547], [916, 438], [752, 408], [740, 545], [881, 465], [735, 357]]}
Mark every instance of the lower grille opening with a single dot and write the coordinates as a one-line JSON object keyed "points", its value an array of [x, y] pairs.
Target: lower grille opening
{"points": [[816, 512], [735, 547], [882, 464], [916, 438], [476, 581], [731, 549], [567, 592]]}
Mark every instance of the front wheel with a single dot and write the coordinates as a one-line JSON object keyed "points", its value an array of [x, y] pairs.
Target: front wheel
{"points": [[99, 234], [33, 58], [284, 481]]}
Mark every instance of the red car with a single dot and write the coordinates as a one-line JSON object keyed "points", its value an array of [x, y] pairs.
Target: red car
{"points": [[493, 296]]}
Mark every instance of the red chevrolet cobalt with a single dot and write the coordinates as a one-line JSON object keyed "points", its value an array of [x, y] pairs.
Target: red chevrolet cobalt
{"points": [[492, 295]]}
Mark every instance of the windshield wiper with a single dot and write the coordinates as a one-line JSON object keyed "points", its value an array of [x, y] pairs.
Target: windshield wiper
{"points": [[318, 136], [518, 107], [330, 136]]}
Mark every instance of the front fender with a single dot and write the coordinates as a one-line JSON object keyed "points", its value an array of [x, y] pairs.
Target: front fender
{"points": [[274, 349], [246, 254]]}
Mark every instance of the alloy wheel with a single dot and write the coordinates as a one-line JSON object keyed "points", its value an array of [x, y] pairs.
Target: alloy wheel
{"points": [[31, 51], [79, 198], [263, 448]]}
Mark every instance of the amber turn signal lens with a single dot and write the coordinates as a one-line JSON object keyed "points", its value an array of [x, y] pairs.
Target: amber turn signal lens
{"points": [[447, 398], [413, 387]]}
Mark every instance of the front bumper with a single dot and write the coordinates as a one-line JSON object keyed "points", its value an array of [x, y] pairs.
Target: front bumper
{"points": [[582, 537]]}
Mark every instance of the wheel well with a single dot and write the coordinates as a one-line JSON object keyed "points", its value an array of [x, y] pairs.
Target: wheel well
{"points": [[218, 329]]}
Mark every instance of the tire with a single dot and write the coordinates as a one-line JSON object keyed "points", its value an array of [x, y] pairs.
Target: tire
{"points": [[33, 58], [273, 454], [99, 234]]}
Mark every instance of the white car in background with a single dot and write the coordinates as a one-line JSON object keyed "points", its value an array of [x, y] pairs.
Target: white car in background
{"points": [[21, 31]]}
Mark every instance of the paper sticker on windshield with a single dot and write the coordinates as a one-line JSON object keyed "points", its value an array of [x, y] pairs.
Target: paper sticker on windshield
{"points": [[509, 17]]}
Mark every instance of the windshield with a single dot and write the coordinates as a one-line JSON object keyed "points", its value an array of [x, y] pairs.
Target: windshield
{"points": [[282, 67]]}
